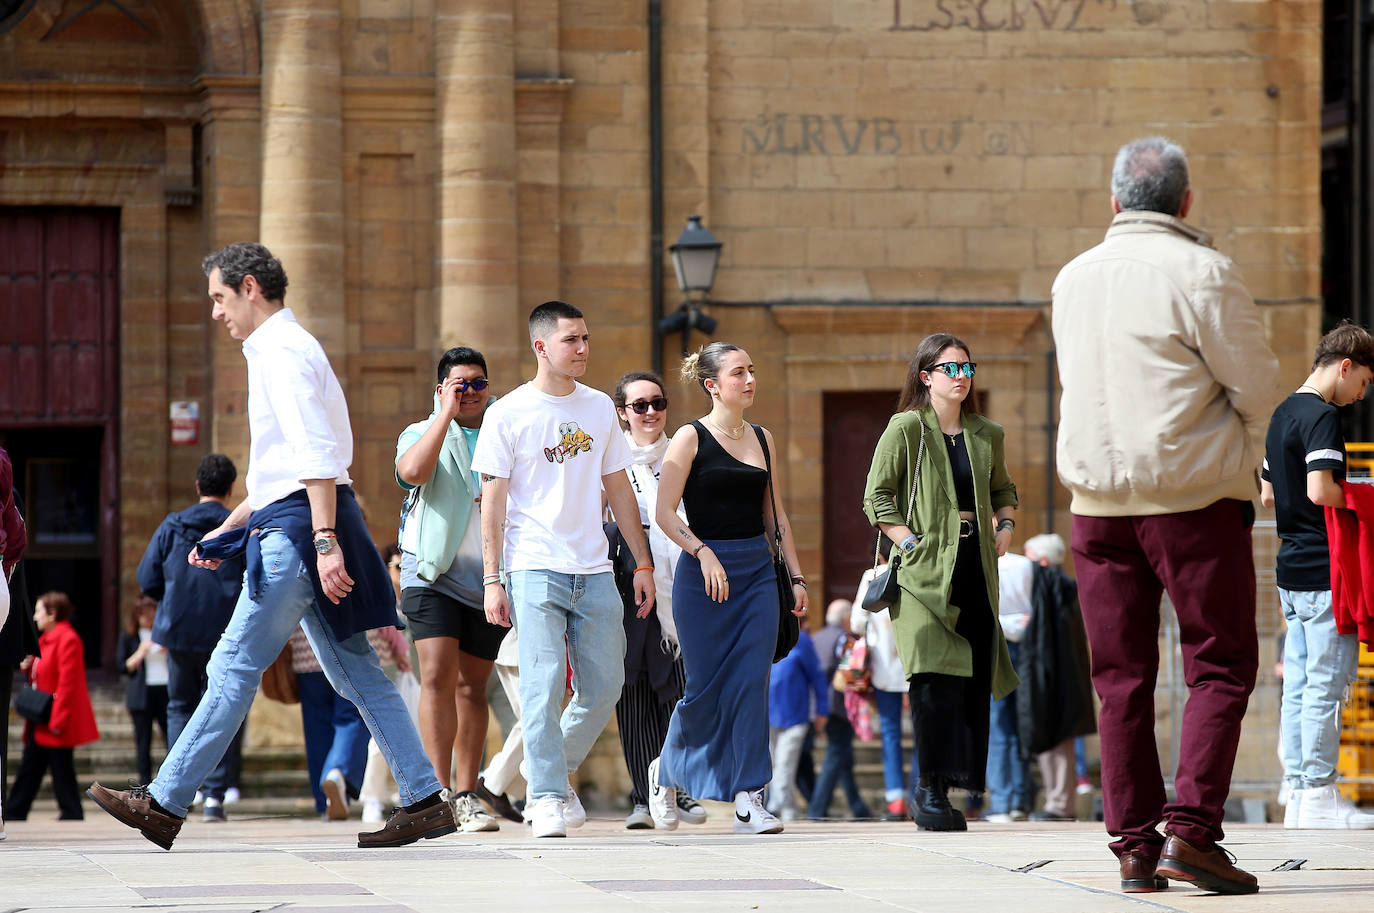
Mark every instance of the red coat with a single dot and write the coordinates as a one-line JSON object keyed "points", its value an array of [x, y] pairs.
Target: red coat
{"points": [[61, 671], [1350, 538]]}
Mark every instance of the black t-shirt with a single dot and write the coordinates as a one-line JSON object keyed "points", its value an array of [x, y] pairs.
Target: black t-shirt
{"points": [[1304, 435]]}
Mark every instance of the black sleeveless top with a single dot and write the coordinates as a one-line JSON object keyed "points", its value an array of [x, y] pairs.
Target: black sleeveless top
{"points": [[722, 495], [962, 471]]}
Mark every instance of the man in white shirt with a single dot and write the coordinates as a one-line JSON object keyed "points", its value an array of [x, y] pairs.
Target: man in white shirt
{"points": [[547, 450], [305, 538]]}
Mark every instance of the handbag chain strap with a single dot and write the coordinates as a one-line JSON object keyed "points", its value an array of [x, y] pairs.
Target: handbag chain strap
{"points": [[911, 501], [772, 495]]}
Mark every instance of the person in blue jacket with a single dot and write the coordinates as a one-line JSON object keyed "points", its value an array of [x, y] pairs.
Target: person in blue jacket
{"points": [[798, 696]]}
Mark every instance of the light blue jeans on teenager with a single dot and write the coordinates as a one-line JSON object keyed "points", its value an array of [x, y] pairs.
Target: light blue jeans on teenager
{"points": [[890, 721], [546, 608], [1008, 777], [261, 624], [1318, 664]]}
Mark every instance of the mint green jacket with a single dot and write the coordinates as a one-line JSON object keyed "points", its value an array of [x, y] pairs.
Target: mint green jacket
{"points": [[445, 503], [924, 620]]}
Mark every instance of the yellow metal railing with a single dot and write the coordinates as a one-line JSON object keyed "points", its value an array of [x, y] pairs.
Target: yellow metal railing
{"points": [[1360, 456]]}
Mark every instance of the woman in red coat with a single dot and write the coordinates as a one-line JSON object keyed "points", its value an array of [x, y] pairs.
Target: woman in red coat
{"points": [[60, 671]]}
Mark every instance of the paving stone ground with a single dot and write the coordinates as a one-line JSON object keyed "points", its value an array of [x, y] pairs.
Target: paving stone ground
{"points": [[297, 865]]}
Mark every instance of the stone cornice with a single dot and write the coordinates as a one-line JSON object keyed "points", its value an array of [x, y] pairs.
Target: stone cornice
{"points": [[972, 319], [388, 98], [102, 100]]}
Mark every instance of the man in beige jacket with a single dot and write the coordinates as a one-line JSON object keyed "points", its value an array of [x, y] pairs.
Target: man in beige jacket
{"points": [[1168, 386]]}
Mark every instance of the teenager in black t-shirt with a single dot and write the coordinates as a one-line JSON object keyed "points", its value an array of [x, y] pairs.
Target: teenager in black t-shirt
{"points": [[1304, 464]]}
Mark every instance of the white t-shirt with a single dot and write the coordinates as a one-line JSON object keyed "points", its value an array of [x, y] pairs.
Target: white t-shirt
{"points": [[1015, 576], [554, 450]]}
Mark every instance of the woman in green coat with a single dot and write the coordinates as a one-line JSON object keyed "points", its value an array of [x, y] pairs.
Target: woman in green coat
{"points": [[948, 531]]}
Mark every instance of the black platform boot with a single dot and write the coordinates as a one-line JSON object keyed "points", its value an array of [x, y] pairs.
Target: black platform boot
{"points": [[931, 809]]}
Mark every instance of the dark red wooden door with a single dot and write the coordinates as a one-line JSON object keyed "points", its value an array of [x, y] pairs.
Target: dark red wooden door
{"points": [[853, 424], [59, 401]]}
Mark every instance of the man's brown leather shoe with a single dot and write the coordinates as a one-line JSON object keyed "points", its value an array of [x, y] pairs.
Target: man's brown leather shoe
{"points": [[1212, 869], [405, 827], [1138, 874], [134, 807]]}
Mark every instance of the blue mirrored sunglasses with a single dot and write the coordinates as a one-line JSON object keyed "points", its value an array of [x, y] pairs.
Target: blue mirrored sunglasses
{"points": [[953, 368], [480, 384]]}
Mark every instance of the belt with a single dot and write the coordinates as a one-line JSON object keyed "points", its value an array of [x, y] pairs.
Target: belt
{"points": [[965, 528]]}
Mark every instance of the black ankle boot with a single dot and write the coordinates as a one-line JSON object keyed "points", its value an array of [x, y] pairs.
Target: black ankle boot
{"points": [[931, 809]]}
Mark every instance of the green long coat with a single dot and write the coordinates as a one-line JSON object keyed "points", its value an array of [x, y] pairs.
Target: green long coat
{"points": [[924, 620]]}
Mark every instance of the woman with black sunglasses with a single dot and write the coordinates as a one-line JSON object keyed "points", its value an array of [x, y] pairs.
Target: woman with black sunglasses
{"points": [[937, 485], [654, 677]]}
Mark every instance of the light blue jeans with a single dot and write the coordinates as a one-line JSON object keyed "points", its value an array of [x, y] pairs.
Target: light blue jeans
{"points": [[1318, 664], [261, 624], [547, 607], [890, 719], [1008, 777]]}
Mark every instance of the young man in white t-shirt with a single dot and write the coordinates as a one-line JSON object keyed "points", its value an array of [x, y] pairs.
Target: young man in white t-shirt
{"points": [[547, 450]]}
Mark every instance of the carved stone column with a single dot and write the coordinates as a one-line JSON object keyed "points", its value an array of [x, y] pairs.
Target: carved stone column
{"points": [[478, 266], [302, 162]]}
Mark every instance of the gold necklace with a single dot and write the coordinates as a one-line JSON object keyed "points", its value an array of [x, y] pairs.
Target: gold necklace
{"points": [[734, 435]]}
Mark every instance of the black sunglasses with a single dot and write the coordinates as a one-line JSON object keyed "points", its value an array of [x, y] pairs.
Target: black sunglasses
{"points": [[480, 384], [658, 404], [952, 368]]}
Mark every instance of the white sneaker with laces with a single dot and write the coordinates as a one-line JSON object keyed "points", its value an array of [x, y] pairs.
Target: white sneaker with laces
{"points": [[574, 815], [1292, 806], [546, 818], [689, 810], [662, 801], [758, 820], [1325, 808], [373, 813], [471, 817], [639, 819], [1285, 790]]}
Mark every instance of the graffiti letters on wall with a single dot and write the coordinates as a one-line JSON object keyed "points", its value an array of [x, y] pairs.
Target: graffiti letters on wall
{"points": [[785, 133], [1014, 15]]}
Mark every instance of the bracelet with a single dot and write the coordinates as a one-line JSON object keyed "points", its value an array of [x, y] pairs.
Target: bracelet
{"points": [[700, 546], [1006, 524], [908, 542], [797, 581], [649, 567], [798, 578], [327, 529]]}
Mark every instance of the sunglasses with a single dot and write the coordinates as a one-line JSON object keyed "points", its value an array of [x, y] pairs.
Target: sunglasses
{"points": [[953, 368], [658, 404], [463, 386]]}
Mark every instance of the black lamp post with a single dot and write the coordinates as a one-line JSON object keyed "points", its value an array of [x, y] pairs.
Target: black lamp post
{"points": [[696, 253]]}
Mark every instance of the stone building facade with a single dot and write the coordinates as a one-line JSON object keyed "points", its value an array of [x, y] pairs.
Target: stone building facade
{"points": [[428, 170]]}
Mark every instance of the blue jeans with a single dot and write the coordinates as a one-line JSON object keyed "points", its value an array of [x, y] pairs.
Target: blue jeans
{"points": [[335, 737], [1007, 774], [546, 608], [261, 624], [890, 720], [838, 769], [1318, 664]]}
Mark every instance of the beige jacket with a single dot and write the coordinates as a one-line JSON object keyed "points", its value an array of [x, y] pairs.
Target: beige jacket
{"points": [[1168, 382]]}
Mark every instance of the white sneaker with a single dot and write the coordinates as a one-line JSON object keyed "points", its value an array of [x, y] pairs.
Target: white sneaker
{"points": [[1324, 807], [639, 819], [689, 810], [373, 813], [758, 820], [662, 801], [1292, 806], [1285, 790], [998, 818], [199, 798], [471, 817], [335, 795], [1018, 814], [546, 818], [574, 815], [232, 795]]}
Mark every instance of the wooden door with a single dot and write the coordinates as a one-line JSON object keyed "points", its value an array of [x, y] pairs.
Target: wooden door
{"points": [[853, 423]]}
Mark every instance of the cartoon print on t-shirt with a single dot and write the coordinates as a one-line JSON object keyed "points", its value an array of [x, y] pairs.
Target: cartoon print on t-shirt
{"points": [[573, 441]]}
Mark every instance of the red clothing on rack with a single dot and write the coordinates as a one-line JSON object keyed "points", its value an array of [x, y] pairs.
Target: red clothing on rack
{"points": [[1350, 539]]}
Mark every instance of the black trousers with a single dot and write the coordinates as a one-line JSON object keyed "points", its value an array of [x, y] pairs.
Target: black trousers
{"points": [[643, 723], [949, 713], [38, 760], [155, 711]]}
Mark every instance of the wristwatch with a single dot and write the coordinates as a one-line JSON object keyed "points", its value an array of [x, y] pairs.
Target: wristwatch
{"points": [[323, 544]]}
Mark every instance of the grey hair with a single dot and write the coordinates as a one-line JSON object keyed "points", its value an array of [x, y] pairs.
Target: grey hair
{"points": [[1151, 174], [1049, 546], [838, 612]]}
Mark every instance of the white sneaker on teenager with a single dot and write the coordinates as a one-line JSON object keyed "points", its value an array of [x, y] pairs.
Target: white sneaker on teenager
{"points": [[1324, 808], [1292, 805], [662, 801], [639, 819], [689, 810], [574, 815], [754, 819], [546, 818]]}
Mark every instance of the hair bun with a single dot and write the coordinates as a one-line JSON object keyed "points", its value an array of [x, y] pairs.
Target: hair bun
{"points": [[689, 367]]}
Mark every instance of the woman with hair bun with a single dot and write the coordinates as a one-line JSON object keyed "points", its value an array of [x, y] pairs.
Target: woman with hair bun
{"points": [[725, 599], [937, 485]]}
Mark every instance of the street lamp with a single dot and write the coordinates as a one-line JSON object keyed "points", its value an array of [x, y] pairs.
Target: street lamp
{"points": [[696, 253]]}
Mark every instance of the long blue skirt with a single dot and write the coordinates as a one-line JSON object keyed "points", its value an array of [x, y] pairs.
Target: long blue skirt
{"points": [[717, 741]]}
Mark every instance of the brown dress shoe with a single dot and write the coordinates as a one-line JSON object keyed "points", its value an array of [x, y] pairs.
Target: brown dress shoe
{"points": [[1138, 874], [404, 827], [500, 804], [134, 807], [1212, 869]]}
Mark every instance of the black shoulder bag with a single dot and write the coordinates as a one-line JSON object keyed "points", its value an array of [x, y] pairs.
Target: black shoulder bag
{"points": [[883, 591], [789, 629]]}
